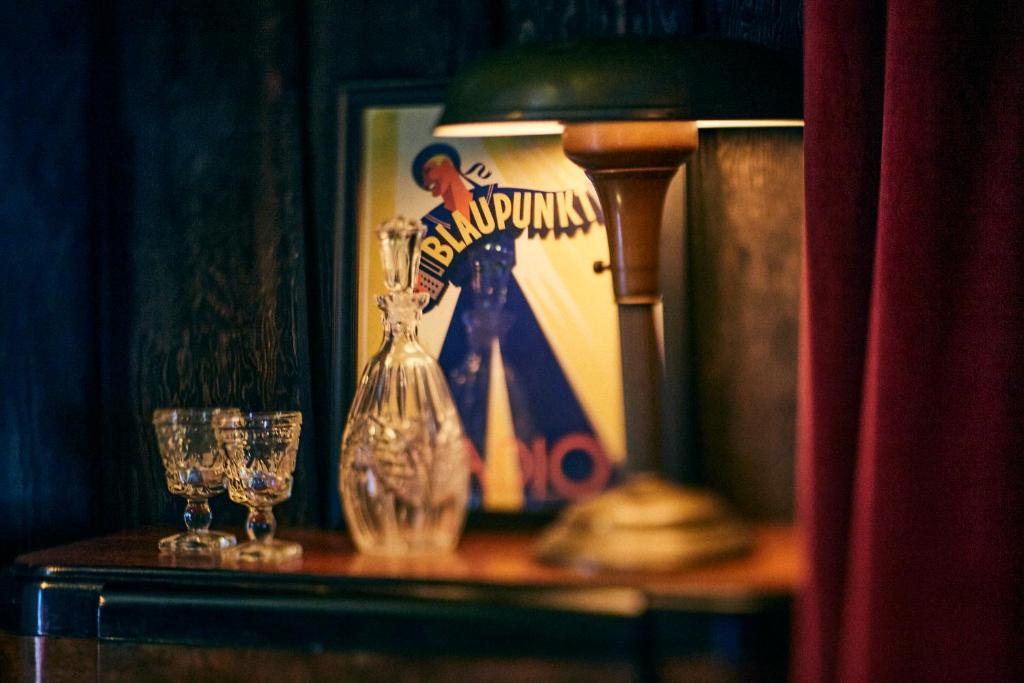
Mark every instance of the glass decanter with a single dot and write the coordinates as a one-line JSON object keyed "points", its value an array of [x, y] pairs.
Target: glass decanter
{"points": [[404, 470]]}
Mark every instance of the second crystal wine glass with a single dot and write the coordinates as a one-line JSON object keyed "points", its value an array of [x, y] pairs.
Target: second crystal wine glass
{"points": [[261, 450]]}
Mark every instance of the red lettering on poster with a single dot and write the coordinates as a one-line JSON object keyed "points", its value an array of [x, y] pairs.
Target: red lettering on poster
{"points": [[599, 472], [542, 471]]}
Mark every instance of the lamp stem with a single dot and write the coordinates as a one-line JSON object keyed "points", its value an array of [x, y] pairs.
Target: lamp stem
{"points": [[631, 165], [643, 374]]}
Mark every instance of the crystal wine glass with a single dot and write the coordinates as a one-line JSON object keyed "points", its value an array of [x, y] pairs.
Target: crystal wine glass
{"points": [[195, 467], [261, 450]]}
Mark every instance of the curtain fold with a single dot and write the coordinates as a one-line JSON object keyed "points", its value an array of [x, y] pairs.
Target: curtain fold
{"points": [[911, 435]]}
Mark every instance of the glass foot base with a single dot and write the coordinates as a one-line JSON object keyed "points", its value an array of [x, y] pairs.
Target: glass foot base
{"points": [[263, 552], [192, 543]]}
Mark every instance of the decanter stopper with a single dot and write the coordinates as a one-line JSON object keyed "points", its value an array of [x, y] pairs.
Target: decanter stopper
{"points": [[400, 253]]}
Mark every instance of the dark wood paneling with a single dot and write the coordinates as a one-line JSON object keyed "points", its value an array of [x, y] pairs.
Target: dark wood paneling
{"points": [[527, 21], [205, 264], [47, 378], [746, 216], [776, 23]]}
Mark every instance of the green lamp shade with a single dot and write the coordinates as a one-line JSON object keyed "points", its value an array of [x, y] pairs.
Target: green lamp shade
{"points": [[537, 88]]}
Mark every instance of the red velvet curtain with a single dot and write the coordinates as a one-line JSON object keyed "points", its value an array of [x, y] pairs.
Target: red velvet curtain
{"points": [[911, 437]]}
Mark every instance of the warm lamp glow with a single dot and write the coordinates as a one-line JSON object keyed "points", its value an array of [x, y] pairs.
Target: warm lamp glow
{"points": [[750, 123], [489, 129]]}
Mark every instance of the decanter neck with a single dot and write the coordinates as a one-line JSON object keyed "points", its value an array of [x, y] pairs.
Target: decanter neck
{"points": [[402, 313]]}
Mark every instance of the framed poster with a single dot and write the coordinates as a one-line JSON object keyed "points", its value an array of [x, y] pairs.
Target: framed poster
{"points": [[525, 330]]}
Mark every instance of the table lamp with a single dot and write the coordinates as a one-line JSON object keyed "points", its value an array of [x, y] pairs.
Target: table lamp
{"points": [[628, 112]]}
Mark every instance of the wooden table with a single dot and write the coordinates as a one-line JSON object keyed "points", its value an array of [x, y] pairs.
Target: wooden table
{"points": [[113, 609]]}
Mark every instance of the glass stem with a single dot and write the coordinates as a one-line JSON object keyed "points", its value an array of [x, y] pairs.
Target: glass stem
{"points": [[198, 515], [260, 525]]}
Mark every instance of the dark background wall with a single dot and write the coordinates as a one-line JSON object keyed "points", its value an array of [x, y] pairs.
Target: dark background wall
{"points": [[167, 194]]}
